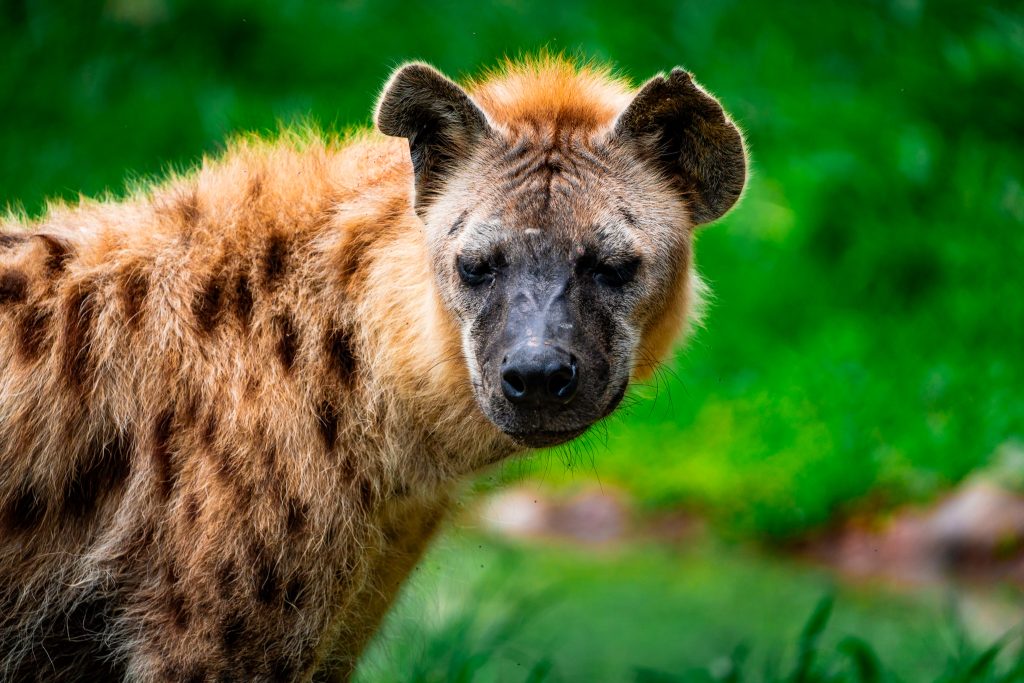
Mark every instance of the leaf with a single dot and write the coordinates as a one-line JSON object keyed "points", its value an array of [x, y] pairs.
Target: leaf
{"points": [[809, 636], [865, 661]]}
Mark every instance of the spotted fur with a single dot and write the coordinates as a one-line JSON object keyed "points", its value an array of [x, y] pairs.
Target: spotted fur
{"points": [[233, 405]]}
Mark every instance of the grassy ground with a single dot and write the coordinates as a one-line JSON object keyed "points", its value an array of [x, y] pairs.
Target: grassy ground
{"points": [[486, 611]]}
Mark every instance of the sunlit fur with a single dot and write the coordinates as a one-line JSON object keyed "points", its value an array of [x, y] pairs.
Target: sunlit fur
{"points": [[233, 404]]}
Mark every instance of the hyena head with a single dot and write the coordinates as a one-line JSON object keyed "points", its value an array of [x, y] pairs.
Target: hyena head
{"points": [[559, 212]]}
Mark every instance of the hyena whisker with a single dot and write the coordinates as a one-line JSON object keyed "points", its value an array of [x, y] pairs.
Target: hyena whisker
{"points": [[453, 358]]}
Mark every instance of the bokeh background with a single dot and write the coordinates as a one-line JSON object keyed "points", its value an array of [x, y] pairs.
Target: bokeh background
{"points": [[845, 432]]}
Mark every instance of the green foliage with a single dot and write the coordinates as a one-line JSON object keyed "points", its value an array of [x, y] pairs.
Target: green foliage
{"points": [[866, 329], [853, 661], [712, 614]]}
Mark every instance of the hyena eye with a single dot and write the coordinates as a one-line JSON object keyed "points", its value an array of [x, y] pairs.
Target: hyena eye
{"points": [[475, 271], [616, 274]]}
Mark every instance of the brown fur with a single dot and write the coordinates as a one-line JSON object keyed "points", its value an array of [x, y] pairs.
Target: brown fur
{"points": [[221, 441]]}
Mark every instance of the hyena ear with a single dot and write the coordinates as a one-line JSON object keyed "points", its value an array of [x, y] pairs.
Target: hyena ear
{"points": [[442, 123], [680, 128]]}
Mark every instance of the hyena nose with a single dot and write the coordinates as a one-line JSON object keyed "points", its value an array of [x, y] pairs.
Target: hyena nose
{"points": [[541, 378]]}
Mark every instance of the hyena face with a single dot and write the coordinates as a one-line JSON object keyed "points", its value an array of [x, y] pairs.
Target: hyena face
{"points": [[560, 243]]}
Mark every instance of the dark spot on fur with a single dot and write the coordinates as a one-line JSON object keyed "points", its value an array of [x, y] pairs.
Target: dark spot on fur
{"points": [[367, 495], [348, 470], [188, 209], [163, 463], [628, 216], [518, 151], [328, 420], [26, 510], [394, 533], [252, 385], [210, 428], [340, 357], [134, 290], [8, 240], [194, 674], [245, 489], [79, 318], [243, 299], [361, 237], [191, 509], [232, 631], [171, 576], [295, 592], [178, 611], [58, 253], [104, 471], [459, 222], [255, 187], [227, 468], [275, 261], [207, 304], [189, 409], [268, 584], [297, 513], [287, 341], [269, 458], [255, 548], [13, 287], [227, 576], [33, 325]]}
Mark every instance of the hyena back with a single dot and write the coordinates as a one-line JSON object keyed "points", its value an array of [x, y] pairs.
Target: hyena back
{"points": [[233, 405]]}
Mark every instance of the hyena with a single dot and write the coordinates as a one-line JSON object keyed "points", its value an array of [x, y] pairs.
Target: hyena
{"points": [[234, 405]]}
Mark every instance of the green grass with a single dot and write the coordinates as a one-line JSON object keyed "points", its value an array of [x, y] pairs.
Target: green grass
{"points": [[484, 611], [864, 342]]}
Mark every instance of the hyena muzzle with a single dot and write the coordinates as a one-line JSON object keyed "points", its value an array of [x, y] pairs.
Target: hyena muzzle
{"points": [[233, 405]]}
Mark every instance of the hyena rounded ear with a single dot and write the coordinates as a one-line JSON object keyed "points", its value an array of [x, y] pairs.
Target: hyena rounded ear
{"points": [[441, 122], [680, 128]]}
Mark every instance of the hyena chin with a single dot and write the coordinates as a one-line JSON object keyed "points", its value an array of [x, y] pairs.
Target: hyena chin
{"points": [[233, 405], [558, 208]]}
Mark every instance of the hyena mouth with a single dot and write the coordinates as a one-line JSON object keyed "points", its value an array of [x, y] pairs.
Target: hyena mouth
{"points": [[543, 438]]}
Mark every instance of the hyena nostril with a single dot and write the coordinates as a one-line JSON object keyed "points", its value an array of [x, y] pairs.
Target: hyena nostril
{"points": [[514, 383], [563, 381]]}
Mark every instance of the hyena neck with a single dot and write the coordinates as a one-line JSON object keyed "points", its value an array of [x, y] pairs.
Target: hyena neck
{"points": [[414, 373]]}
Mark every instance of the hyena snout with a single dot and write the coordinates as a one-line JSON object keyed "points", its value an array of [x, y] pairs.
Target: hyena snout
{"points": [[539, 376]]}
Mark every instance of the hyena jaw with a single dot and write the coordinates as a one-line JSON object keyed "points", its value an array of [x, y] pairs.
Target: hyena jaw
{"points": [[233, 406]]}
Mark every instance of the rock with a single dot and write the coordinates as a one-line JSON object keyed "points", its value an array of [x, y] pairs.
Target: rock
{"points": [[591, 516], [978, 529], [516, 512], [976, 524]]}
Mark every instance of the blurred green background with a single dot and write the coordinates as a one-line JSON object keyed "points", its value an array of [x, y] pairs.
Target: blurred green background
{"points": [[864, 344]]}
